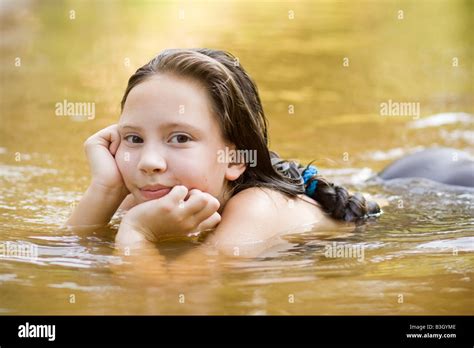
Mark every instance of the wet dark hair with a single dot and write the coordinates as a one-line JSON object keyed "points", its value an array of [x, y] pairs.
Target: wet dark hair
{"points": [[237, 106]]}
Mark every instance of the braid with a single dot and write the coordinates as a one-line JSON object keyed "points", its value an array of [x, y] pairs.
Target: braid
{"points": [[337, 201], [334, 199]]}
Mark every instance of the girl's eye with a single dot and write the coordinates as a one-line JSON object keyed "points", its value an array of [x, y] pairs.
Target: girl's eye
{"points": [[180, 138], [134, 139]]}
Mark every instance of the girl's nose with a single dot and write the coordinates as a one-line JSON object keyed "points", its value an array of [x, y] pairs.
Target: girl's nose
{"points": [[151, 162]]}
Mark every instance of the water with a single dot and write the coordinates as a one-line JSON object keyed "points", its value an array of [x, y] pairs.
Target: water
{"points": [[417, 258]]}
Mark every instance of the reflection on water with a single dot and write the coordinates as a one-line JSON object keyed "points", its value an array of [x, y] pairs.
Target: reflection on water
{"points": [[417, 259]]}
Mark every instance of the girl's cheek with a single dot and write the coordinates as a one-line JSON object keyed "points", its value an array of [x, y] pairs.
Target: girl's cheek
{"points": [[119, 156], [124, 158]]}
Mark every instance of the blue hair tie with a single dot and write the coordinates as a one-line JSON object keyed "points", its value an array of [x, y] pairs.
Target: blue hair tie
{"points": [[308, 173]]}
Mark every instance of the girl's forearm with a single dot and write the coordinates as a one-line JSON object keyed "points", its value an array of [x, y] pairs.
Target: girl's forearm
{"points": [[97, 206]]}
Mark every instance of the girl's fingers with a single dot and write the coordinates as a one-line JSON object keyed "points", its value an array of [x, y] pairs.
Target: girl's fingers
{"points": [[109, 137], [210, 223], [114, 138], [210, 208], [104, 137], [98, 146], [177, 194], [195, 202], [201, 204]]}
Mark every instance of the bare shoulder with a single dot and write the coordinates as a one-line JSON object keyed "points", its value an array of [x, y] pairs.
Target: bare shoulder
{"points": [[255, 218], [280, 210], [256, 207], [247, 221], [259, 197]]}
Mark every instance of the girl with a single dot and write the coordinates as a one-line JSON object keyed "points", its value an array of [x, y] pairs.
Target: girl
{"points": [[180, 112]]}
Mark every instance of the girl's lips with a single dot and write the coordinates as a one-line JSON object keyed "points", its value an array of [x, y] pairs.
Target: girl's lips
{"points": [[154, 194]]}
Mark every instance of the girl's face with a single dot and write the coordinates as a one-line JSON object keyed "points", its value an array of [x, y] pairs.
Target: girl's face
{"points": [[169, 137]]}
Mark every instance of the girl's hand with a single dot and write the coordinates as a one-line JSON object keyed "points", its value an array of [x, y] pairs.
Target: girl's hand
{"points": [[107, 189], [100, 150], [169, 217]]}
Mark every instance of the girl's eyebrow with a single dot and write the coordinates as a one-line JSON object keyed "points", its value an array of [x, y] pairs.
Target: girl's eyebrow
{"points": [[163, 126], [127, 125], [180, 125]]}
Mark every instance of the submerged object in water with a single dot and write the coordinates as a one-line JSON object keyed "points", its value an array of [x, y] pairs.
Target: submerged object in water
{"points": [[444, 165]]}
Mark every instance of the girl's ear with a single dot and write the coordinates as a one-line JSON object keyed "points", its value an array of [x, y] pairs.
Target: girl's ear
{"points": [[235, 166], [234, 171]]}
